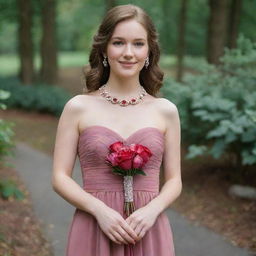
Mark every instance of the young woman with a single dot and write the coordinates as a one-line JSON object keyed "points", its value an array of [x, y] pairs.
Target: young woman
{"points": [[120, 106]]}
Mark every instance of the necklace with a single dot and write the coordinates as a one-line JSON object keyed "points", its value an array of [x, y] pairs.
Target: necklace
{"points": [[123, 103]]}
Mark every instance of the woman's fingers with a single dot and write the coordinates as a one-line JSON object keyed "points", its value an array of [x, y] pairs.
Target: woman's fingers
{"points": [[119, 237], [125, 235], [141, 232], [129, 230], [138, 229], [113, 238]]}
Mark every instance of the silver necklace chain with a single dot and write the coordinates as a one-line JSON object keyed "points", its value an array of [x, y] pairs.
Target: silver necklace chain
{"points": [[123, 103]]}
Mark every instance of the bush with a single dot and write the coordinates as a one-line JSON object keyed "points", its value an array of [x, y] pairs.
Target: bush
{"points": [[6, 132], [218, 107], [8, 188], [41, 98]]}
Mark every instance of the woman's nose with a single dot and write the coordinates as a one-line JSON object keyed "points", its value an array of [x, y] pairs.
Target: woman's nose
{"points": [[128, 50]]}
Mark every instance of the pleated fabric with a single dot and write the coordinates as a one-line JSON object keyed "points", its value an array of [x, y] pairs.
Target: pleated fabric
{"points": [[85, 237]]}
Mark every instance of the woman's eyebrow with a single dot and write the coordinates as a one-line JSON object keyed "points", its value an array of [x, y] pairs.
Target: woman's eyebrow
{"points": [[118, 37]]}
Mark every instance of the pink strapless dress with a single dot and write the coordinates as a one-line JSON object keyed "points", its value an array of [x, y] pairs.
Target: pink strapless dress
{"points": [[85, 236]]}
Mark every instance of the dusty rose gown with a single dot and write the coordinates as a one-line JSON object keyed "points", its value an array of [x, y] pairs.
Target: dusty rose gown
{"points": [[85, 236]]}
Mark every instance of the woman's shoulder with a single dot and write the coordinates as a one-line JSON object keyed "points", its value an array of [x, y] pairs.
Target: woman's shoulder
{"points": [[77, 103], [167, 107]]}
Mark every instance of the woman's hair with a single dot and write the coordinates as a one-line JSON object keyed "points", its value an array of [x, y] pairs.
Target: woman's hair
{"points": [[97, 75]]}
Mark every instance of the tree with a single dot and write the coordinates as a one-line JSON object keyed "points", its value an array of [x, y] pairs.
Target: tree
{"points": [[25, 43], [48, 72], [181, 39], [234, 20], [217, 28], [167, 36]]}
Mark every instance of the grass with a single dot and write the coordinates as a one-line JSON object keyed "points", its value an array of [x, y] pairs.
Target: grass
{"points": [[9, 63]]}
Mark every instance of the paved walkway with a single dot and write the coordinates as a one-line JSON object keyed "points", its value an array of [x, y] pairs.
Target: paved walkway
{"points": [[55, 213]]}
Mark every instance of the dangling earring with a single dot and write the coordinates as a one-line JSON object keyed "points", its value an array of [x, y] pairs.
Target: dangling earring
{"points": [[147, 62], [105, 63]]}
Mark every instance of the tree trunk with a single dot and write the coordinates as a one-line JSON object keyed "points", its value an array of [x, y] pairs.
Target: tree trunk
{"points": [[166, 38], [181, 39], [217, 28], [234, 20], [25, 43], [110, 4], [48, 72]]}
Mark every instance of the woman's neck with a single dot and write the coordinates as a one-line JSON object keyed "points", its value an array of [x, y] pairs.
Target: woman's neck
{"points": [[123, 87]]}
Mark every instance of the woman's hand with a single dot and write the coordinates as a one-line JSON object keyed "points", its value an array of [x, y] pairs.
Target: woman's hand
{"points": [[114, 226], [142, 219]]}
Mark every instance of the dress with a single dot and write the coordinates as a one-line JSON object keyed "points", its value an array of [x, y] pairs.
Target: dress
{"points": [[85, 237]]}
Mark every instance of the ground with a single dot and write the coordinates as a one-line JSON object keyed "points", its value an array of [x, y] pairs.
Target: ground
{"points": [[20, 230], [204, 197]]}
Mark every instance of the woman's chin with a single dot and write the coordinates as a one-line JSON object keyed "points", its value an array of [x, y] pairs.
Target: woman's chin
{"points": [[127, 73]]}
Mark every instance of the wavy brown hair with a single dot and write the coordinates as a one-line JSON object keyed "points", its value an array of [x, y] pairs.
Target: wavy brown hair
{"points": [[97, 75]]}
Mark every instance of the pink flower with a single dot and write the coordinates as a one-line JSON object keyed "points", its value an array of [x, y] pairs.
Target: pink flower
{"points": [[112, 158], [137, 162]]}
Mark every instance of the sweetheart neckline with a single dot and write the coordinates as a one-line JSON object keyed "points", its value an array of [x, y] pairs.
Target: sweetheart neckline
{"points": [[120, 136]]}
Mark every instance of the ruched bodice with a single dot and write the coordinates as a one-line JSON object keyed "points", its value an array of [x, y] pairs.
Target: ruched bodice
{"points": [[93, 148], [85, 235]]}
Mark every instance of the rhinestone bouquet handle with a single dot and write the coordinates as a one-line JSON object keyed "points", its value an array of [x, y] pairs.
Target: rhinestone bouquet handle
{"points": [[128, 195]]}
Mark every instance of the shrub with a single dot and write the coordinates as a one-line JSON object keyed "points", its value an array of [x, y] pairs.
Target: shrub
{"points": [[8, 187], [218, 107], [39, 97], [6, 132]]}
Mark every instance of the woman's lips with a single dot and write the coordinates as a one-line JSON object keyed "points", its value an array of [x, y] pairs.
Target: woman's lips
{"points": [[127, 64]]}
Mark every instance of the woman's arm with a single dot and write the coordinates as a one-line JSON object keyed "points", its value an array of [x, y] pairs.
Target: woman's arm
{"points": [[171, 160], [65, 152]]}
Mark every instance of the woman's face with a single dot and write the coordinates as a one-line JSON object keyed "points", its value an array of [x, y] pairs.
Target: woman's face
{"points": [[127, 49]]}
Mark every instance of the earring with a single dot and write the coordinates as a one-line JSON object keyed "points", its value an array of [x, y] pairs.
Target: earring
{"points": [[105, 63], [147, 62]]}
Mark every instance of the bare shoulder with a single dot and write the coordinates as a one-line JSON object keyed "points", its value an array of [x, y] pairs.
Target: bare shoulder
{"points": [[168, 109], [76, 104]]}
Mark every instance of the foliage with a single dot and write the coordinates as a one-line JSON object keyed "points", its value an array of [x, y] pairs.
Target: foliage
{"points": [[218, 107], [77, 22], [41, 98], [7, 187], [6, 132]]}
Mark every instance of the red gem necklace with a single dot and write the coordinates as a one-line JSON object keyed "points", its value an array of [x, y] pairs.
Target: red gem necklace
{"points": [[123, 103]]}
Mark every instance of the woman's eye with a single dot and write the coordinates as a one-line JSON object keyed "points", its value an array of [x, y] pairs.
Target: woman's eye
{"points": [[117, 43], [139, 44]]}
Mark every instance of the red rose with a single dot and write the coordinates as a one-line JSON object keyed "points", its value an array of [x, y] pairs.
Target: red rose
{"points": [[125, 158], [115, 147], [142, 151]]}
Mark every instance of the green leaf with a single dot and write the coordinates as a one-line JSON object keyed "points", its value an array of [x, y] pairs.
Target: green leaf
{"points": [[4, 94], [140, 172], [18, 194], [248, 158], [195, 150], [8, 189], [218, 148], [249, 135], [230, 137]]}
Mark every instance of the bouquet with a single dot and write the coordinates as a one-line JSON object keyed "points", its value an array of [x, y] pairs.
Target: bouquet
{"points": [[128, 161]]}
